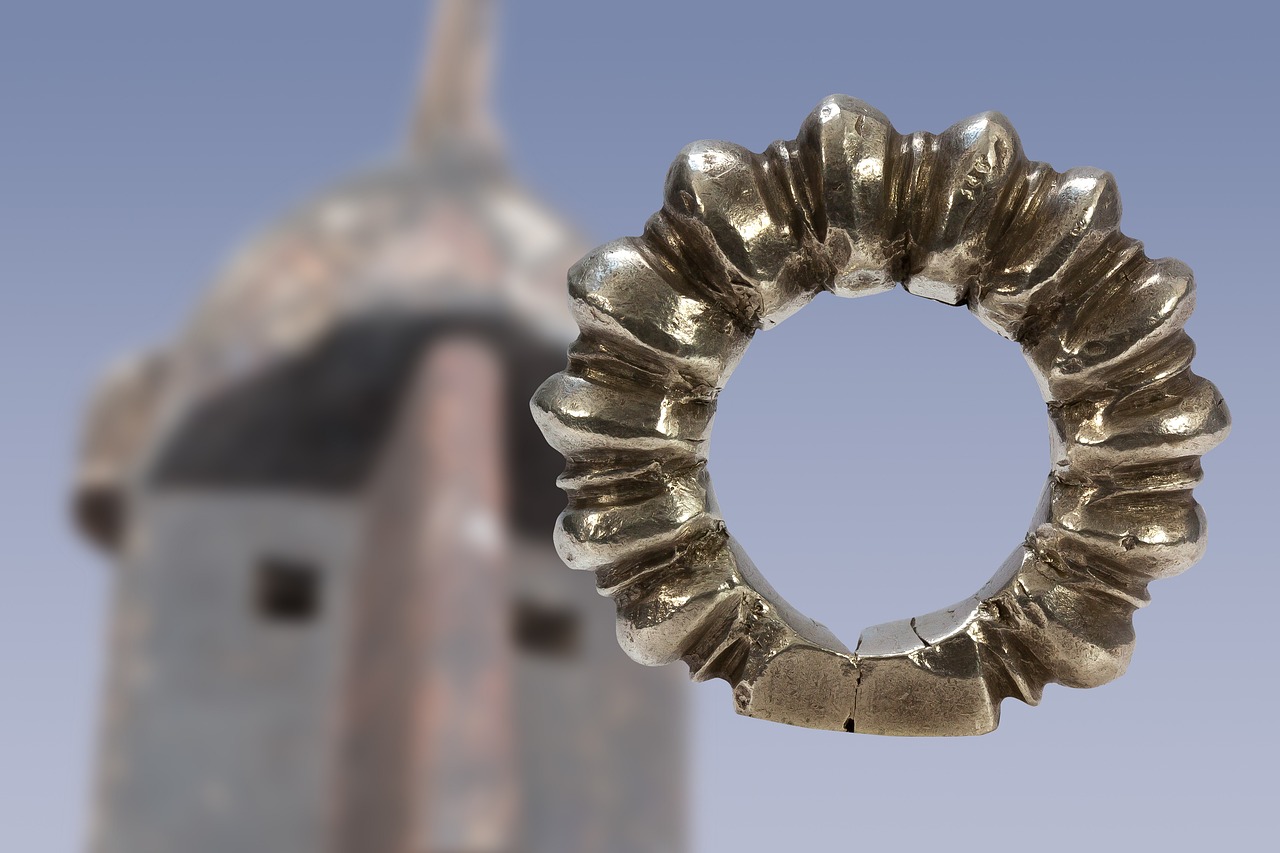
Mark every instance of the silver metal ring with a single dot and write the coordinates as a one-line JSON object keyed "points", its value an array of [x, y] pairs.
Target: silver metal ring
{"points": [[851, 206]]}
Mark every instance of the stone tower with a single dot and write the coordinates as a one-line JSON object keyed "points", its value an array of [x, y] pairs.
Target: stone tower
{"points": [[338, 622]]}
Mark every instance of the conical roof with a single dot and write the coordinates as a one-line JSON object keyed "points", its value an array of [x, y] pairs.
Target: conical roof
{"points": [[444, 229]]}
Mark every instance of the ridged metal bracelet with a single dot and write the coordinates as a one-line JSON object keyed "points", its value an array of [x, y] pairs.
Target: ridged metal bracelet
{"points": [[743, 240]]}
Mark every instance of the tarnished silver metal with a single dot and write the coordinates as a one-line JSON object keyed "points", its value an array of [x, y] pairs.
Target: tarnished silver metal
{"points": [[742, 241]]}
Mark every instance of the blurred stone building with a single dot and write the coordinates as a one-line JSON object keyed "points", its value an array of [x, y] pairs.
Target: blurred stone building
{"points": [[339, 625]]}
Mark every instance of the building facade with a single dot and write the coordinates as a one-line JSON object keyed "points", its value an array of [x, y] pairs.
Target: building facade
{"points": [[339, 624]]}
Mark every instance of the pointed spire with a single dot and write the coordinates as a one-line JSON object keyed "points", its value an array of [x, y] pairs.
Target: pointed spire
{"points": [[454, 99]]}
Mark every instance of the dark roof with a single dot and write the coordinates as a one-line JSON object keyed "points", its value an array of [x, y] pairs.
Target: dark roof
{"points": [[317, 421]]}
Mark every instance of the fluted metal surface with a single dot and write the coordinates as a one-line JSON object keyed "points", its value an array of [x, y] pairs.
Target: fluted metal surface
{"points": [[743, 240]]}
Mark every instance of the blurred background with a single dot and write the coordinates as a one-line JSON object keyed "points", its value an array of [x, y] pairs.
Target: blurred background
{"points": [[301, 263]]}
